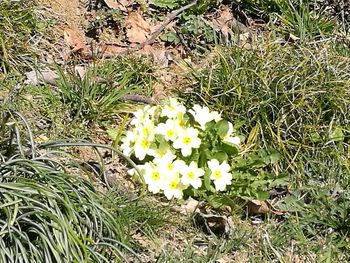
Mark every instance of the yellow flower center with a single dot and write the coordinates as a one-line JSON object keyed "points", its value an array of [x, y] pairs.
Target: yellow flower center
{"points": [[170, 133], [145, 131], [217, 174], [155, 176], [161, 153], [170, 166], [182, 122], [186, 140], [190, 175], [173, 185], [145, 144]]}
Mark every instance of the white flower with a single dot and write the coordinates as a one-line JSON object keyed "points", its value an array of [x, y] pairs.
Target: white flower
{"points": [[181, 121], [216, 116], [234, 140], [168, 156], [146, 129], [191, 175], [220, 173], [132, 171], [173, 186], [142, 147], [168, 129], [152, 177], [229, 138], [201, 115], [141, 115], [173, 109], [163, 154], [187, 140], [128, 142], [169, 167]]}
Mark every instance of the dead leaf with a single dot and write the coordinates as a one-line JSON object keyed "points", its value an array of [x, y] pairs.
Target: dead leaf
{"points": [[126, 3], [159, 55], [137, 29], [221, 23], [80, 70], [109, 50], [225, 16], [113, 4], [258, 207], [74, 40], [225, 22], [263, 207], [216, 224], [139, 238], [158, 91], [188, 207], [35, 77], [41, 139]]}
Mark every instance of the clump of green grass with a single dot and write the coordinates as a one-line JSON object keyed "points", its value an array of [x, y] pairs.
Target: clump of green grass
{"points": [[294, 99], [99, 93], [19, 23], [47, 214], [293, 19], [95, 98]]}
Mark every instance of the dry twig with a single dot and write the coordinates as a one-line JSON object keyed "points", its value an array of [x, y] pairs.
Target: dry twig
{"points": [[166, 22]]}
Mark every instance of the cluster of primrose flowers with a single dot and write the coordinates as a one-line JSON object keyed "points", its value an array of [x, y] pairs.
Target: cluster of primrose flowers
{"points": [[168, 139]]}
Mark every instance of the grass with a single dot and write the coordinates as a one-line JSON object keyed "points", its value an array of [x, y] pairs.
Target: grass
{"points": [[83, 101], [293, 97], [302, 109], [46, 214], [19, 25]]}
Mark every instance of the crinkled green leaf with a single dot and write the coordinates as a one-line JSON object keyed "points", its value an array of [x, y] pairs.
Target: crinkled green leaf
{"points": [[222, 128]]}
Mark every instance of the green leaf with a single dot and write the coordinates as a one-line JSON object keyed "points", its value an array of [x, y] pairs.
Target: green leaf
{"points": [[337, 135], [221, 156], [222, 128], [170, 37], [274, 156], [113, 134], [202, 160], [230, 149], [315, 137], [166, 3], [215, 201], [207, 182], [282, 179], [262, 195], [270, 156]]}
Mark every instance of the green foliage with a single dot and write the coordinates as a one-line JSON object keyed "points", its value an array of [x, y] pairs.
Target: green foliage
{"points": [[170, 37], [318, 212], [294, 99], [191, 25], [304, 23], [47, 214], [19, 24], [171, 4], [94, 97], [296, 18], [282, 108], [202, 6]]}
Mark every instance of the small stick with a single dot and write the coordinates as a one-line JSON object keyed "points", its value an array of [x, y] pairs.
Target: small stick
{"points": [[139, 98], [166, 22]]}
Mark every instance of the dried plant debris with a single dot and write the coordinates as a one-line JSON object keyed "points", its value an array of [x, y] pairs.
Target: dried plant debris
{"points": [[214, 224]]}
